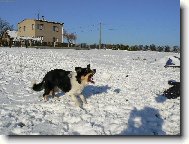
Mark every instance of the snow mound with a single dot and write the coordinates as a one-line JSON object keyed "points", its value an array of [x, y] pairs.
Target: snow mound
{"points": [[169, 61]]}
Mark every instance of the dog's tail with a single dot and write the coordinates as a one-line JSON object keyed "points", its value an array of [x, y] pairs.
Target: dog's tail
{"points": [[38, 87]]}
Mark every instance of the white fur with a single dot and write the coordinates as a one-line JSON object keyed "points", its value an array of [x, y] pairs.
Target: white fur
{"points": [[76, 89]]}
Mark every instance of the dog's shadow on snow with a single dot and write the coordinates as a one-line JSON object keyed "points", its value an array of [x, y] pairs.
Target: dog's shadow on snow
{"points": [[146, 121], [91, 90]]}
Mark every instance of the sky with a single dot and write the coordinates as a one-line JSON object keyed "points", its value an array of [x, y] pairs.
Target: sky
{"points": [[132, 22]]}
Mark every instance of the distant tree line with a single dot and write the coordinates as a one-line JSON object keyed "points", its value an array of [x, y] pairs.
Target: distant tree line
{"points": [[151, 47]]}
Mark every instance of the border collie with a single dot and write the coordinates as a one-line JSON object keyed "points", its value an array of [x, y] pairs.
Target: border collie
{"points": [[72, 83]]}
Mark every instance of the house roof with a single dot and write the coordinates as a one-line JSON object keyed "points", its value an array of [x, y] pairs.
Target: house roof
{"points": [[12, 34], [43, 21]]}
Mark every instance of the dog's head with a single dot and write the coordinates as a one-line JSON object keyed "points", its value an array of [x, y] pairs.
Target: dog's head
{"points": [[85, 74]]}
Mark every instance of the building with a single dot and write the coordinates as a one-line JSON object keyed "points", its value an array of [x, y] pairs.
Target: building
{"points": [[48, 32], [6, 39], [11, 38]]}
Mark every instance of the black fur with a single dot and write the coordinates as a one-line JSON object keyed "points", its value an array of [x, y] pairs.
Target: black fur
{"points": [[38, 87], [174, 91], [54, 78]]}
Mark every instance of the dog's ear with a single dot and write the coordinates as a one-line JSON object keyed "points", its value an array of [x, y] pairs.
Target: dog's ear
{"points": [[88, 66], [78, 69], [94, 71]]}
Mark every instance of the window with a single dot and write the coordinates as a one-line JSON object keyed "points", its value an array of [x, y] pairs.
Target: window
{"points": [[55, 28], [54, 39], [24, 28], [40, 26], [33, 27]]}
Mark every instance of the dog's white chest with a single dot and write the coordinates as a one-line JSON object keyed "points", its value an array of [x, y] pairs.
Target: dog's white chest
{"points": [[76, 88]]}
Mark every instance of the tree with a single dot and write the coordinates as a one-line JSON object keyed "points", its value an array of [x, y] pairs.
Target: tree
{"points": [[4, 26], [167, 48], [152, 47], [160, 48], [140, 47], [146, 47], [175, 49], [134, 48], [71, 37]]}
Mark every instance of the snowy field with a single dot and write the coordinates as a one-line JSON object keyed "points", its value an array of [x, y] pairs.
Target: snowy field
{"points": [[125, 100]]}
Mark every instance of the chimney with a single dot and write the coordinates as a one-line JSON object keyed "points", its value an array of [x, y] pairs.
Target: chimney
{"points": [[43, 18]]}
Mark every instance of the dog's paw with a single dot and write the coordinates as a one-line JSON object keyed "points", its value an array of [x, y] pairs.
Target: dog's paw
{"points": [[78, 104], [87, 105], [85, 102], [57, 99], [33, 82]]}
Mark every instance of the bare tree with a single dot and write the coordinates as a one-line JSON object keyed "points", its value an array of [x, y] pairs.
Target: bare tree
{"points": [[4, 26], [71, 37]]}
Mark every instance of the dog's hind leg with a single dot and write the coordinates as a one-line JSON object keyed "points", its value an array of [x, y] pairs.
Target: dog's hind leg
{"points": [[74, 98], [55, 89], [52, 92], [46, 94], [83, 98]]}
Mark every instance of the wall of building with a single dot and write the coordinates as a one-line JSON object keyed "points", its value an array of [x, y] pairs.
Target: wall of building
{"points": [[28, 32], [48, 33]]}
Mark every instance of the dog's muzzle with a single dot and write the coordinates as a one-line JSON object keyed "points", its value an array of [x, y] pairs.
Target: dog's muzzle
{"points": [[94, 71], [90, 78]]}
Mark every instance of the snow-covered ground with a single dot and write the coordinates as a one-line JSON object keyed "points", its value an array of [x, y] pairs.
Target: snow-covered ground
{"points": [[125, 100]]}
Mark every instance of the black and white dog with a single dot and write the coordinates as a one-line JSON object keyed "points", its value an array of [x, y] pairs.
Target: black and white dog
{"points": [[72, 83]]}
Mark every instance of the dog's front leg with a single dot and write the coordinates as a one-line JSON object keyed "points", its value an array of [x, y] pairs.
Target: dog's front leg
{"points": [[83, 98], [74, 98]]}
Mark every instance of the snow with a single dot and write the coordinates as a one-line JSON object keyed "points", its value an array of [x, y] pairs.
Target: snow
{"points": [[14, 34], [126, 98]]}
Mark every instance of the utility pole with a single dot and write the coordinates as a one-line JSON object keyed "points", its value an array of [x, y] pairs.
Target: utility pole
{"points": [[38, 15], [100, 37]]}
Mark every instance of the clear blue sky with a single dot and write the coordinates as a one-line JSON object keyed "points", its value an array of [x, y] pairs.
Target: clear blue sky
{"points": [[123, 21]]}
